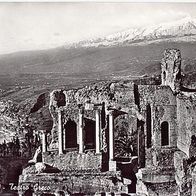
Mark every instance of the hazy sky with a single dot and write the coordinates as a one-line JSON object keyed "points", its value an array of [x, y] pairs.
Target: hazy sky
{"points": [[29, 26]]}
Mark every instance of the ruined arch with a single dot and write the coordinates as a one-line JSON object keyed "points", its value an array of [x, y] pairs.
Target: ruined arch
{"points": [[70, 134], [164, 133], [123, 140], [60, 98], [89, 129], [148, 126]]}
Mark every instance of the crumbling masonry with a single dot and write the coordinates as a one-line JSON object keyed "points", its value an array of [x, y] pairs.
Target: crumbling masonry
{"points": [[119, 138]]}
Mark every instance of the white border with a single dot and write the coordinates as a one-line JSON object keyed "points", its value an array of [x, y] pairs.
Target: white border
{"points": [[103, 1]]}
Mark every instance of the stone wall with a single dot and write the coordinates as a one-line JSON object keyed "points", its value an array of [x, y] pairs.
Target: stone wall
{"points": [[160, 157], [73, 160], [119, 96], [182, 173], [10, 169], [82, 183], [162, 104], [186, 121], [156, 181]]}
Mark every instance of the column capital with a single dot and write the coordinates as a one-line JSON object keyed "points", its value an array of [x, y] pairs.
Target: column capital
{"points": [[80, 108], [110, 112], [60, 110], [43, 131], [111, 137], [98, 107], [81, 111], [89, 106]]}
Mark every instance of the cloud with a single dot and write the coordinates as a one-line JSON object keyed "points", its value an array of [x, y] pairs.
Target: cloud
{"points": [[26, 26]]}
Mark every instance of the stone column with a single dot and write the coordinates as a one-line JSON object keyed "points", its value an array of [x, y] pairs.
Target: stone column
{"points": [[60, 134], [80, 130], [111, 136], [138, 146], [112, 163], [97, 117], [44, 142]]}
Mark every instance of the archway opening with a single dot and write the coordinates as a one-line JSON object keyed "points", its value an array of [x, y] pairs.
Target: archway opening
{"points": [[149, 126], [164, 133], [60, 98], [164, 77], [89, 130], [70, 134], [124, 142]]}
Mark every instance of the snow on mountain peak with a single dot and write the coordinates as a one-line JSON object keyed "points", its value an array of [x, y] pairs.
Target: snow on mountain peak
{"points": [[183, 27]]}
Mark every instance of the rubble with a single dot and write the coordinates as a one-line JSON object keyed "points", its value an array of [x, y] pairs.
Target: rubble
{"points": [[156, 123]]}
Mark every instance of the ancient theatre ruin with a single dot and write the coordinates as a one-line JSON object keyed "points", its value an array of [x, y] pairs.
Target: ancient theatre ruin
{"points": [[119, 138]]}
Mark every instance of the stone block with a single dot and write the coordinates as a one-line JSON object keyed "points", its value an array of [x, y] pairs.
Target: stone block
{"points": [[112, 166]]}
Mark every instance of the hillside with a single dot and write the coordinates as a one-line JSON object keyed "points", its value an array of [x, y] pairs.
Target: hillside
{"points": [[131, 59]]}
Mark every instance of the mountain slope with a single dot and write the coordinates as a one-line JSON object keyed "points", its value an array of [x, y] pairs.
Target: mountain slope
{"points": [[132, 59], [128, 52], [180, 28]]}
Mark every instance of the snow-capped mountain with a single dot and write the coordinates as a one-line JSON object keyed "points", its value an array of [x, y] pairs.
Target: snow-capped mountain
{"points": [[176, 29]]}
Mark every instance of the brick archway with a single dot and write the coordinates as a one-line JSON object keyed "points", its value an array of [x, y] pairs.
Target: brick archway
{"points": [[70, 134]]}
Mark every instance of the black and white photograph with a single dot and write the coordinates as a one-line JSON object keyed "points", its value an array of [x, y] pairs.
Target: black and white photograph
{"points": [[98, 98]]}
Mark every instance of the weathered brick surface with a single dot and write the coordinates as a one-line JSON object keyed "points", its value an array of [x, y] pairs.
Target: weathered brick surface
{"points": [[73, 160]]}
